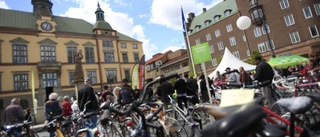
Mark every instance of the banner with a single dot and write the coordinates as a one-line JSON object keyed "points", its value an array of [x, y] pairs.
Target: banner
{"points": [[34, 101], [138, 73]]}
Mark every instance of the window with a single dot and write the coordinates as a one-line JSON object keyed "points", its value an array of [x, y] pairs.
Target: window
{"points": [[19, 54], [264, 29], [123, 45], [227, 13], [248, 53], [232, 41], [71, 78], [284, 4], [262, 47], [217, 32], [271, 44], [107, 43], [48, 53], [20, 81], [307, 12], [108, 57], [71, 51], [93, 75], [294, 36], [134, 46], [220, 45], [216, 18], [211, 48], [197, 41], [136, 57], [197, 28], [229, 27], [289, 20], [236, 54], [89, 54], [207, 23], [127, 74], [208, 36], [49, 80], [214, 62], [257, 32], [313, 31], [111, 76], [125, 57], [317, 8]]}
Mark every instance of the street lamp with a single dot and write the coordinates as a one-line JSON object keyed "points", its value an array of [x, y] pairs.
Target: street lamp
{"points": [[258, 19]]}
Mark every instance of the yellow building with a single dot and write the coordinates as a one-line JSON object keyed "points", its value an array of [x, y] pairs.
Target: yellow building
{"points": [[47, 44]]}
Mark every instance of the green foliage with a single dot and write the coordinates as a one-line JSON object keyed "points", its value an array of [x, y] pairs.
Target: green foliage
{"points": [[253, 55], [172, 81]]}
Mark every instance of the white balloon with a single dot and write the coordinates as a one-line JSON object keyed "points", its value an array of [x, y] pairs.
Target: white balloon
{"points": [[243, 22]]}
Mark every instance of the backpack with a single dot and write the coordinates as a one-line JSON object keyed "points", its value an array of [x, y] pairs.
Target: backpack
{"points": [[52, 109]]}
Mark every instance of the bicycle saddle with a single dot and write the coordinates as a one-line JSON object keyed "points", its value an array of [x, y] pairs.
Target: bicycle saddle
{"points": [[314, 96], [296, 105], [89, 114], [273, 131], [235, 124]]}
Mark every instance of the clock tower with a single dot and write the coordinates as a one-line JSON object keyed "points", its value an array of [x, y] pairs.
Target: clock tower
{"points": [[43, 9]]}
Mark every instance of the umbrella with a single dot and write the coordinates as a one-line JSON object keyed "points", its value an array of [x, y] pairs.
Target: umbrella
{"points": [[286, 61]]}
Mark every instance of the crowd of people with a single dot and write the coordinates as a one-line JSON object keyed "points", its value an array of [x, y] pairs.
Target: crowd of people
{"points": [[183, 86]]}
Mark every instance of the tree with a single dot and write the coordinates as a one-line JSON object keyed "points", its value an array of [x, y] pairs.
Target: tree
{"points": [[253, 55], [191, 74]]}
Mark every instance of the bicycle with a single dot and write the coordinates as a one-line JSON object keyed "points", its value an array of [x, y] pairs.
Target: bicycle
{"points": [[85, 128], [18, 130]]}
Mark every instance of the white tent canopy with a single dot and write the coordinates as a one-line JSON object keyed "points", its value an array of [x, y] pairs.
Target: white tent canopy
{"points": [[229, 60]]}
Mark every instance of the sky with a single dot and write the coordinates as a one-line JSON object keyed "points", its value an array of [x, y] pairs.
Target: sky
{"points": [[156, 23]]}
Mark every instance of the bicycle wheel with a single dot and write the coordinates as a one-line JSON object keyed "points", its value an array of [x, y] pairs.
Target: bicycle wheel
{"points": [[175, 128], [177, 116], [315, 131]]}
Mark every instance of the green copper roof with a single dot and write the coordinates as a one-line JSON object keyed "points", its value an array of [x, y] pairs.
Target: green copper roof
{"points": [[217, 10], [26, 20]]}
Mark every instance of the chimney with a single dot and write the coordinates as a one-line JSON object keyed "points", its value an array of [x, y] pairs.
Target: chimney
{"points": [[191, 16], [204, 10]]}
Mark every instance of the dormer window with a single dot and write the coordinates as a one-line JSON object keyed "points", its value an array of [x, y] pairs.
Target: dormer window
{"points": [[227, 12], [216, 18], [207, 23], [197, 28]]}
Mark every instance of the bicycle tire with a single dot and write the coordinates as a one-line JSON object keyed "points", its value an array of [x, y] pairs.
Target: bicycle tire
{"points": [[315, 128], [175, 128], [177, 116]]}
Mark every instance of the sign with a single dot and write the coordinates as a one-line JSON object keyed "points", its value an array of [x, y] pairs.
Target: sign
{"points": [[201, 53], [234, 97]]}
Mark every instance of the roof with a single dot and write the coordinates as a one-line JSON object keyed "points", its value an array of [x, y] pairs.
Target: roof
{"points": [[27, 20], [179, 58], [154, 59], [217, 10]]}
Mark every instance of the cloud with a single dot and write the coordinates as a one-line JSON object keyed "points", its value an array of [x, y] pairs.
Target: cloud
{"points": [[119, 21], [3, 5], [122, 3], [168, 13]]}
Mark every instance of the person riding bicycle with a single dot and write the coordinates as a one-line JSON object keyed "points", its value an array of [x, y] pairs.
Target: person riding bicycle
{"points": [[52, 108]]}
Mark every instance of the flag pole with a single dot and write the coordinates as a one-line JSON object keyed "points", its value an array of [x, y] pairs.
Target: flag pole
{"points": [[33, 91], [188, 42]]}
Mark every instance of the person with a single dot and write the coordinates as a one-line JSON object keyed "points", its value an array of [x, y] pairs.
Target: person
{"points": [[107, 95], [52, 108], [75, 107], [13, 113], [232, 76], [192, 84], [78, 74], [136, 93], [86, 94], [308, 69], [182, 91], [28, 115], [245, 78], [264, 74], [125, 95], [163, 90], [203, 89], [149, 91], [66, 105]]}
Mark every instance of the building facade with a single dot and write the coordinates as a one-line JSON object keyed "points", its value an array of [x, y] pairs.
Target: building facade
{"points": [[292, 27], [46, 44]]}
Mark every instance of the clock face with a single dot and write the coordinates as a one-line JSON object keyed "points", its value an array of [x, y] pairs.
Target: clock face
{"points": [[46, 26]]}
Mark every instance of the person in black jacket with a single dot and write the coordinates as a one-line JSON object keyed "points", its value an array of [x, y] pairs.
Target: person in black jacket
{"points": [[181, 87], [86, 94], [192, 84], [203, 89], [264, 74], [126, 93], [163, 91]]}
